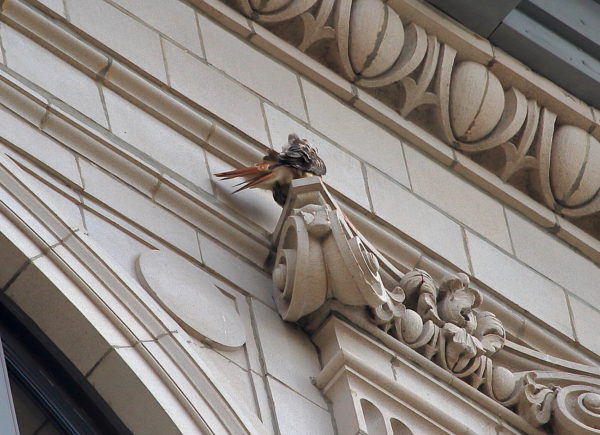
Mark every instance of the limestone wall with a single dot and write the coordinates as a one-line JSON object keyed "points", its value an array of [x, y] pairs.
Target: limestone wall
{"points": [[118, 112]]}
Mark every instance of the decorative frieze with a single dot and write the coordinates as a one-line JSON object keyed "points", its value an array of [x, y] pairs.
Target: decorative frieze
{"points": [[371, 44], [324, 264]]}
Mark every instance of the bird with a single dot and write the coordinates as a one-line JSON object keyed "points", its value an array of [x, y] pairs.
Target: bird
{"points": [[298, 159]]}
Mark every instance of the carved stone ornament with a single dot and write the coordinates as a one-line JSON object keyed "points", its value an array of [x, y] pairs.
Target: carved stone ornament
{"points": [[323, 262], [190, 295], [372, 45]]}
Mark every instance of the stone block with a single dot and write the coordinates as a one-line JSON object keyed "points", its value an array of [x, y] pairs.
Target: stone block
{"points": [[140, 209], [240, 60], [31, 141], [417, 219], [355, 133], [65, 207], [458, 198], [297, 416], [172, 18], [586, 321], [211, 218], [15, 250], [124, 247], [526, 289], [344, 172], [215, 92], [248, 278], [263, 402], [69, 318], [132, 388], [234, 379], [120, 33], [552, 258], [288, 353], [56, 77], [22, 99], [56, 6], [163, 144]]}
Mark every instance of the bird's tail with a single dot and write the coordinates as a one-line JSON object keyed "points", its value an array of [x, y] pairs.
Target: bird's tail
{"points": [[253, 175]]}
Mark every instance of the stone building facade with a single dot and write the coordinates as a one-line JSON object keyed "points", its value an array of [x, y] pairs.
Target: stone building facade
{"points": [[441, 278]]}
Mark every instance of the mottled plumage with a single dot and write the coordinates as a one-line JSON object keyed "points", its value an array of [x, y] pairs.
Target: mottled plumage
{"points": [[277, 170]]}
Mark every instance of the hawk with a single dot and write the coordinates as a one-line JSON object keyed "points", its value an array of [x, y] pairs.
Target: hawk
{"points": [[277, 170]]}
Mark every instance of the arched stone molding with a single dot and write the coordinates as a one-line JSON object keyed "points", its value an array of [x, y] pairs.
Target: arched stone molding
{"points": [[325, 268], [105, 323]]}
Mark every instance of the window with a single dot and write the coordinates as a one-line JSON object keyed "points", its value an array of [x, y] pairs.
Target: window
{"points": [[48, 393]]}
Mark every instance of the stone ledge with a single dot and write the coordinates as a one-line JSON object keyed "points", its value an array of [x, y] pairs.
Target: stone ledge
{"points": [[194, 125], [470, 48]]}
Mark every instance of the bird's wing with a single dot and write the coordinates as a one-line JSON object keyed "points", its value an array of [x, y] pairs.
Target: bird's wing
{"points": [[304, 157]]}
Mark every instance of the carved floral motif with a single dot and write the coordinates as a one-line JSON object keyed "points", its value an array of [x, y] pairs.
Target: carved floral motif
{"points": [[370, 44], [321, 257]]}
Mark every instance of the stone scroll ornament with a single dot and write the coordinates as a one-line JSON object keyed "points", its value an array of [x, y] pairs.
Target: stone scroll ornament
{"points": [[369, 44], [322, 260]]}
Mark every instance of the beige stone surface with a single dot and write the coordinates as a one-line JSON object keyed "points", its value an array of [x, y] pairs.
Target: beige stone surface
{"points": [[554, 259], [416, 219], [84, 333], [301, 62], [574, 166], [458, 198], [215, 92], [15, 250], [256, 205], [124, 246], [522, 286], [235, 379], [297, 416], [189, 294], [587, 324], [240, 60], [57, 77], [55, 6], [173, 18], [118, 196], [227, 226], [67, 209], [476, 101], [16, 211], [248, 278], [34, 143], [263, 402], [355, 133], [344, 172], [140, 404], [120, 33], [98, 148], [22, 99], [152, 137], [288, 353]]}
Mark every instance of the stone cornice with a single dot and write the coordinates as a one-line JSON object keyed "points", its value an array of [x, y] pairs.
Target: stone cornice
{"points": [[436, 66], [197, 208], [323, 265], [187, 120]]}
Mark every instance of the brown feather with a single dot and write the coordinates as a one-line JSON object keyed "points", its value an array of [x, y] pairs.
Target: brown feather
{"points": [[256, 180], [278, 169], [251, 171]]}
